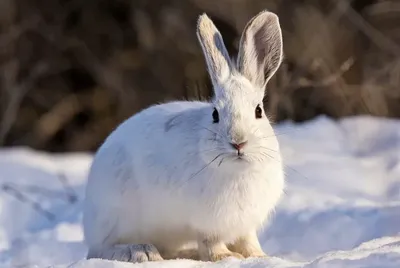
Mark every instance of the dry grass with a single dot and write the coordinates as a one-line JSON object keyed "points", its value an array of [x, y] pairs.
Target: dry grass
{"points": [[71, 70]]}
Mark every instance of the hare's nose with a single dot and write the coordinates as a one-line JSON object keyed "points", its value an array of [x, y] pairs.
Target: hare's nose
{"points": [[238, 146]]}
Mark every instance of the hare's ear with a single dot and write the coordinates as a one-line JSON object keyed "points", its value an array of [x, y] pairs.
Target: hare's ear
{"points": [[217, 57], [260, 50]]}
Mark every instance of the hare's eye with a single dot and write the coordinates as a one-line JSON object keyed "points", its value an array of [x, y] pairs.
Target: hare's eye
{"points": [[215, 116], [258, 112]]}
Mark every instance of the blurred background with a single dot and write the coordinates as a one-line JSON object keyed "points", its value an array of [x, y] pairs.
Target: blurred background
{"points": [[72, 70]]}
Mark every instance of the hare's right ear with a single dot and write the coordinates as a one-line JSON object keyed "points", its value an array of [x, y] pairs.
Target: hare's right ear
{"points": [[214, 50], [260, 50]]}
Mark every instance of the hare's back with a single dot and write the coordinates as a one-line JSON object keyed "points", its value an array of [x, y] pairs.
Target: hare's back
{"points": [[161, 120], [157, 131]]}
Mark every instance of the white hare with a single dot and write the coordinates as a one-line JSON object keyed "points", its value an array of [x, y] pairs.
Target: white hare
{"points": [[191, 173]]}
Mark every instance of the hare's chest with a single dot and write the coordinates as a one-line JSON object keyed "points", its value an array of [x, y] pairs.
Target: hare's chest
{"points": [[235, 207]]}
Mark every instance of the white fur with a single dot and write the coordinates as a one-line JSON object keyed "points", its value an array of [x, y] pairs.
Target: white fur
{"points": [[154, 181]]}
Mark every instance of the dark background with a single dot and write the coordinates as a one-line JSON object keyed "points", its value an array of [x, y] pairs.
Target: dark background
{"points": [[72, 70]]}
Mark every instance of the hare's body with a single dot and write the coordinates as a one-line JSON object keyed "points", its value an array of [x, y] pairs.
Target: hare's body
{"points": [[183, 172], [168, 206]]}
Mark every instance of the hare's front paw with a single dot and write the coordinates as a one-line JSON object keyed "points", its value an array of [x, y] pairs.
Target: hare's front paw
{"points": [[144, 252], [224, 255], [134, 253]]}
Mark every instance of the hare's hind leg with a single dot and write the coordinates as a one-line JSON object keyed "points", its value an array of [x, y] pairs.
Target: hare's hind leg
{"points": [[134, 253]]}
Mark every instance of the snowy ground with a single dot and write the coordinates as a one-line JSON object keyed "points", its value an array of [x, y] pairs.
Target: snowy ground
{"points": [[341, 208]]}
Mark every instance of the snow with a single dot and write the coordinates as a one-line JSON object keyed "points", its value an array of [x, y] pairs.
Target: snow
{"points": [[341, 207]]}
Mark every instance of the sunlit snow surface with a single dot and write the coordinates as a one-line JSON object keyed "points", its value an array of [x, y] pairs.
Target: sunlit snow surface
{"points": [[341, 207]]}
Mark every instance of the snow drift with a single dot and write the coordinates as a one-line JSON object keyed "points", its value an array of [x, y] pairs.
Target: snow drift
{"points": [[341, 207]]}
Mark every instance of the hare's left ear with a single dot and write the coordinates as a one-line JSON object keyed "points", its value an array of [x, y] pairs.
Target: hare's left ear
{"points": [[260, 50], [218, 61]]}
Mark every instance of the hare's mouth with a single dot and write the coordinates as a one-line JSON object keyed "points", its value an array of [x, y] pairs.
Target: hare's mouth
{"points": [[240, 156], [234, 157]]}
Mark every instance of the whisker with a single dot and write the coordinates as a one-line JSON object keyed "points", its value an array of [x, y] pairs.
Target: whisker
{"points": [[276, 135], [211, 150], [205, 166], [220, 162], [273, 135], [286, 166], [213, 132], [270, 149]]}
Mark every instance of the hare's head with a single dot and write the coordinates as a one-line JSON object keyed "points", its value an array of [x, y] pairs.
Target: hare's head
{"points": [[237, 117]]}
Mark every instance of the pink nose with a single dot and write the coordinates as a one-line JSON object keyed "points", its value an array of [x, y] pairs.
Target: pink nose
{"points": [[238, 146]]}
